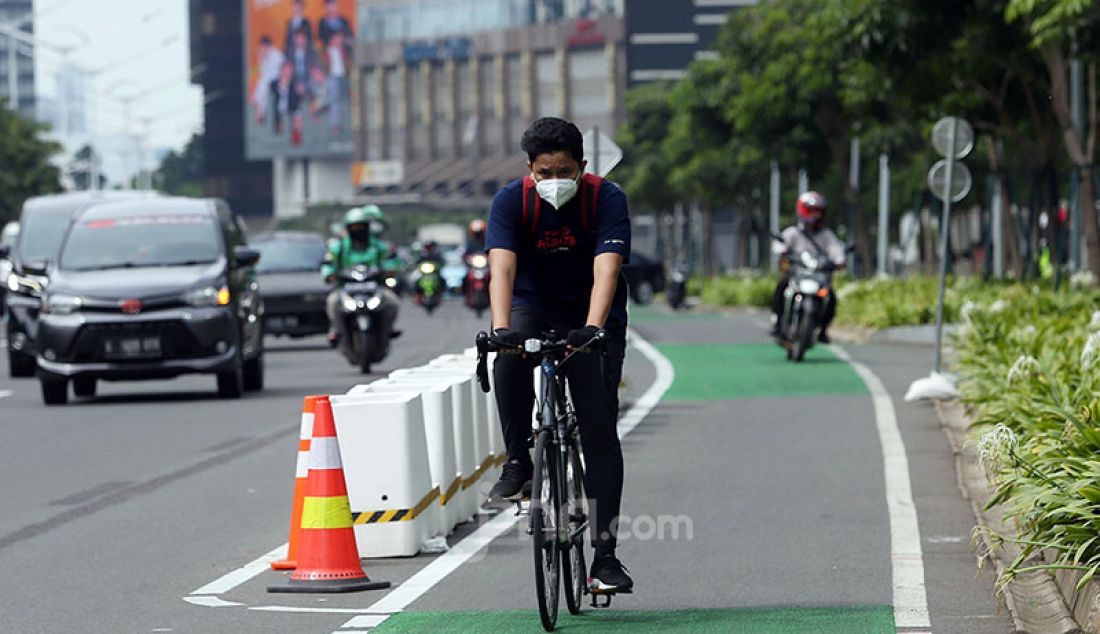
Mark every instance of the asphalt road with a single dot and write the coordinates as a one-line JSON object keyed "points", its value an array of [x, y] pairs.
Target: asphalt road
{"points": [[755, 487]]}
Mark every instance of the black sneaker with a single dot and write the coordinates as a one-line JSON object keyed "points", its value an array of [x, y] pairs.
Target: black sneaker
{"points": [[823, 337], [608, 576], [515, 481]]}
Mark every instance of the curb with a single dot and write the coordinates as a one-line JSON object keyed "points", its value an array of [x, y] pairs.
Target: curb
{"points": [[1034, 599]]}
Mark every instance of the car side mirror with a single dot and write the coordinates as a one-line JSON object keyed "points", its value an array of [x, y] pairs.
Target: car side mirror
{"points": [[5, 251], [243, 256], [37, 267]]}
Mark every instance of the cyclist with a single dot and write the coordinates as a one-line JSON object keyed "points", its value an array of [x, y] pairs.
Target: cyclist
{"points": [[557, 240], [810, 234], [360, 245]]}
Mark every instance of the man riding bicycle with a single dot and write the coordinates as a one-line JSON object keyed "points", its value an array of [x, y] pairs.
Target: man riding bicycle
{"points": [[361, 245], [557, 240]]}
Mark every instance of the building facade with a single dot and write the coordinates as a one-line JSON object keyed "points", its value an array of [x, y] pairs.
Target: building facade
{"points": [[17, 57], [445, 88], [216, 43]]}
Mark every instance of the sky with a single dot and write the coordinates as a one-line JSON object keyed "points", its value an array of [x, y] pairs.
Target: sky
{"points": [[129, 49]]}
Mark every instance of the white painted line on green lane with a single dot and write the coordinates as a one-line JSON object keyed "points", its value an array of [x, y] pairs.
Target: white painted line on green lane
{"points": [[417, 585], [910, 599]]}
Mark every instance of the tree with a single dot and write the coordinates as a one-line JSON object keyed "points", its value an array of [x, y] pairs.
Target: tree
{"points": [[180, 173], [1059, 30], [25, 157]]}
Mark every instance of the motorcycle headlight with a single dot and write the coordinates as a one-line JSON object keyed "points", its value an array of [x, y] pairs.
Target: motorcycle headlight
{"points": [[479, 261], [374, 302], [391, 282], [60, 304], [427, 267], [207, 296], [808, 287], [350, 304], [808, 260]]}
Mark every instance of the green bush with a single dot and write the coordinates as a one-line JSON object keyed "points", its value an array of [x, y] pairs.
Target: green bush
{"points": [[1030, 375]]}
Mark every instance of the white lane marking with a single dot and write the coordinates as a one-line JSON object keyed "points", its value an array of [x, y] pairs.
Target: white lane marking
{"points": [[291, 608], [211, 602], [5, 393], [234, 578], [415, 587], [368, 621], [910, 599]]}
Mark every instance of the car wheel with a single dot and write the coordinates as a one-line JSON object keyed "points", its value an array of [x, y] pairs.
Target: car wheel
{"points": [[254, 373], [54, 392], [84, 387], [231, 382], [643, 292], [20, 365]]}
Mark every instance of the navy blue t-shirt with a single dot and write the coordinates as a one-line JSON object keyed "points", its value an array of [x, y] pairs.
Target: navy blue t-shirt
{"points": [[554, 264]]}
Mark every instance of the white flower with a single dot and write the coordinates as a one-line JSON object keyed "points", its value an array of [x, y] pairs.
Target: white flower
{"points": [[998, 306], [1024, 367], [966, 311], [1082, 279], [1094, 323], [995, 447], [1090, 351]]}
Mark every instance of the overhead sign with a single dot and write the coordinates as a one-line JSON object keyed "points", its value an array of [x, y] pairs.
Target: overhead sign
{"points": [[601, 152]]}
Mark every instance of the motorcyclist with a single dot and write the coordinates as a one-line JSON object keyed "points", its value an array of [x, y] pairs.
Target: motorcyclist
{"points": [[810, 234], [359, 246], [429, 252], [475, 237]]}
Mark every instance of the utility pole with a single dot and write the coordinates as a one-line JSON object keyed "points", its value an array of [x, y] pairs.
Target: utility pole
{"points": [[883, 212], [1077, 115]]}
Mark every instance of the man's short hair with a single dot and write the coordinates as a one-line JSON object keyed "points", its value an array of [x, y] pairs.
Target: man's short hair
{"points": [[551, 134]]}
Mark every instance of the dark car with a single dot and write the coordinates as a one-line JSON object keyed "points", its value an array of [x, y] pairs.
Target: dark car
{"points": [[645, 276], [42, 222], [290, 280], [148, 290]]}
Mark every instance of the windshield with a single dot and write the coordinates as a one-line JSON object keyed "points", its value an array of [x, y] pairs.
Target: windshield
{"points": [[137, 241], [41, 233], [289, 255]]}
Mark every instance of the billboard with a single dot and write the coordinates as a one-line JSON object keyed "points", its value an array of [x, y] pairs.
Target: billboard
{"points": [[299, 65]]}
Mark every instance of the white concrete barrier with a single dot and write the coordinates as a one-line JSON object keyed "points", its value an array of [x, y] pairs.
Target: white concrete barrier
{"points": [[468, 500], [382, 442], [487, 458], [439, 428]]}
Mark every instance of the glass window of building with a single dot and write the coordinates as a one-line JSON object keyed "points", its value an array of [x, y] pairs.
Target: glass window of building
{"points": [[546, 85], [443, 104], [394, 133], [373, 102], [418, 118], [489, 122], [590, 79], [464, 112], [513, 71]]}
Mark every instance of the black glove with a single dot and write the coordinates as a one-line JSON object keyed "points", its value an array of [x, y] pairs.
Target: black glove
{"points": [[582, 336], [507, 338]]}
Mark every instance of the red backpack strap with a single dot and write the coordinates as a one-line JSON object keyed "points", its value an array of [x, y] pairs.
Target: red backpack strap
{"points": [[590, 196], [532, 206]]}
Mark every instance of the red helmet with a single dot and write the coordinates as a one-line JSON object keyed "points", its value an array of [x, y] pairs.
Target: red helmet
{"points": [[811, 202]]}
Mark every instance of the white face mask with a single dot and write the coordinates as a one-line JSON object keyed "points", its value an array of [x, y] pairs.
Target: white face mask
{"points": [[557, 191]]}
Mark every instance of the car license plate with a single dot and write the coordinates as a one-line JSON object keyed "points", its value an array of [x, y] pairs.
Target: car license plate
{"points": [[364, 322], [147, 347], [282, 323]]}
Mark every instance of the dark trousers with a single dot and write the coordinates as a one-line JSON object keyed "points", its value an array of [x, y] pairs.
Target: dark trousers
{"points": [[596, 401], [779, 303]]}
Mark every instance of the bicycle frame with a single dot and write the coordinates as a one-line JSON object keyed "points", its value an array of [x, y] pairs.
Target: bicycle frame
{"points": [[556, 417]]}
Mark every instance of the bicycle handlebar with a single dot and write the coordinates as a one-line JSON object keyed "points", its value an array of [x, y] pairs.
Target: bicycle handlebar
{"points": [[533, 346]]}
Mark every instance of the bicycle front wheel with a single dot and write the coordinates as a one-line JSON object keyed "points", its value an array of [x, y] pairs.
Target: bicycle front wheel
{"points": [[574, 570], [544, 533]]}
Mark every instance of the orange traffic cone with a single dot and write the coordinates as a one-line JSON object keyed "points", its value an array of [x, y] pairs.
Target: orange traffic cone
{"points": [[328, 559], [301, 472]]}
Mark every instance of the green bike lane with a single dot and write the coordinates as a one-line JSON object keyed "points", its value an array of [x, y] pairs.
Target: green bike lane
{"points": [[754, 502]]}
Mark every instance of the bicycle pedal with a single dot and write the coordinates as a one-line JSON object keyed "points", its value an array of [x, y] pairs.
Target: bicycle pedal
{"points": [[596, 600]]}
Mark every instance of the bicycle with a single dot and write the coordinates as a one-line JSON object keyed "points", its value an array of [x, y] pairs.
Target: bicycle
{"points": [[557, 519]]}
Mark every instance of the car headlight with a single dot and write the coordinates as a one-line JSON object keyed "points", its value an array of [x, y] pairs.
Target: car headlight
{"points": [[374, 302], [350, 303], [207, 296], [13, 283], [60, 304], [26, 284]]}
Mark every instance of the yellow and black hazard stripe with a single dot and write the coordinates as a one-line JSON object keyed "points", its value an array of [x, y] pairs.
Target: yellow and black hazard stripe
{"points": [[451, 492], [396, 515], [490, 462]]}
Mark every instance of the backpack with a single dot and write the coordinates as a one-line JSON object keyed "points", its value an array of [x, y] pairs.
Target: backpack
{"points": [[532, 204]]}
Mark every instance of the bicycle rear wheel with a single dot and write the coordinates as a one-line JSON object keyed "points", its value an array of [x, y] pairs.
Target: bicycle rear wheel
{"points": [[573, 567], [544, 521]]}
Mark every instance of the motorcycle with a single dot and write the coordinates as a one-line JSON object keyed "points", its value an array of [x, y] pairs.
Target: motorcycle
{"points": [[429, 285], [807, 297], [476, 283], [363, 308], [676, 291]]}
